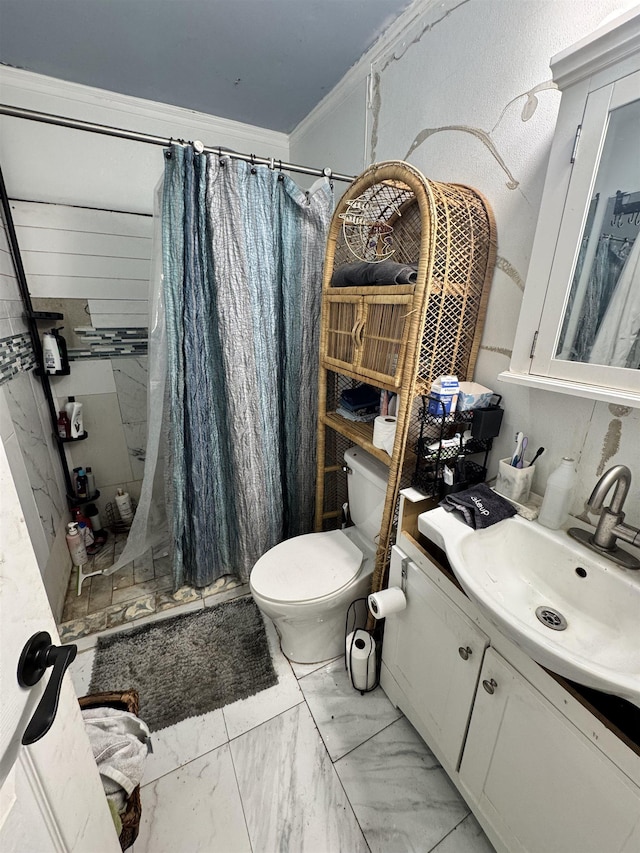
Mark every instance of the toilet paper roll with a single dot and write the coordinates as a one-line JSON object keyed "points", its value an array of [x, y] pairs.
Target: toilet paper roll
{"points": [[386, 602], [384, 433], [361, 659]]}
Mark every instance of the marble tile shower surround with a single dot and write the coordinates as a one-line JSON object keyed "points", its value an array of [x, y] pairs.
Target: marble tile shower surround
{"points": [[259, 775], [27, 408]]}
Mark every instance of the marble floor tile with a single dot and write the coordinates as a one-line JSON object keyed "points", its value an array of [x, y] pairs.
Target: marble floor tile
{"points": [[162, 565], [183, 742], [467, 837], [135, 591], [344, 718], [247, 713], [143, 572], [100, 593], [195, 808], [295, 801], [302, 669], [403, 799]]}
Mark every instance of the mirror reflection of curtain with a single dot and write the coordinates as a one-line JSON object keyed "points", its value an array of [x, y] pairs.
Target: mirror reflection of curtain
{"points": [[606, 269], [618, 340]]}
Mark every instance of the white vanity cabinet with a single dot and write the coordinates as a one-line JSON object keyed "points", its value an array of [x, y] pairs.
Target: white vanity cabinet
{"points": [[434, 638], [537, 779], [542, 772]]}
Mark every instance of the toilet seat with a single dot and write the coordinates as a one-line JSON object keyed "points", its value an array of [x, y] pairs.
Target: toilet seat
{"points": [[307, 567]]}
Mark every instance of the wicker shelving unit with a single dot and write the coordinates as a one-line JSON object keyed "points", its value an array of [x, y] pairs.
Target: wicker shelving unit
{"points": [[398, 337]]}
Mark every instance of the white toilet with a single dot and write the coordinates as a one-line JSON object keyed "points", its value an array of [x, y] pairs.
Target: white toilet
{"points": [[306, 584]]}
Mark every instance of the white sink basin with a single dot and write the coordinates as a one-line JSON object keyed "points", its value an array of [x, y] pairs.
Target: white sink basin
{"points": [[516, 567]]}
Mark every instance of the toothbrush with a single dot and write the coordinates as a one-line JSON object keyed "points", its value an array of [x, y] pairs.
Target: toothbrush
{"points": [[516, 454], [539, 452], [520, 462]]}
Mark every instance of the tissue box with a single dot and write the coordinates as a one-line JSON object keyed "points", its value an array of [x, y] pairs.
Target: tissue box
{"points": [[473, 396]]}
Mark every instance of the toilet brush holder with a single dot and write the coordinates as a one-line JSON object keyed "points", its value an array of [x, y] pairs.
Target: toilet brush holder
{"points": [[362, 656]]}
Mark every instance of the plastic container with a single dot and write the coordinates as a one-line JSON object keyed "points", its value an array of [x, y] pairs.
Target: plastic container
{"points": [[74, 413], [91, 482], [558, 494], [64, 425], [82, 487], [75, 544]]}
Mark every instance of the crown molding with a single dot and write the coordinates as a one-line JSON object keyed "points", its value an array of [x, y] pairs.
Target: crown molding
{"points": [[612, 42], [74, 100]]}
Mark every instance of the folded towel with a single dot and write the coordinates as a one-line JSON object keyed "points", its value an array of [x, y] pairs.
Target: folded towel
{"points": [[364, 275], [120, 742], [479, 506], [360, 397]]}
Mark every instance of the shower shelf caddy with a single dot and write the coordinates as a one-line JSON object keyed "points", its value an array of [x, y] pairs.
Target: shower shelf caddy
{"points": [[397, 337]]}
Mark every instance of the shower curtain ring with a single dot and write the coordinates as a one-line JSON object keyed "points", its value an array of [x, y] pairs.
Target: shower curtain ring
{"points": [[272, 164], [253, 164]]}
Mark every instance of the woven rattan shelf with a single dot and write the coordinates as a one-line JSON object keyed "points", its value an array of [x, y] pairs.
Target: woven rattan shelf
{"points": [[397, 337]]}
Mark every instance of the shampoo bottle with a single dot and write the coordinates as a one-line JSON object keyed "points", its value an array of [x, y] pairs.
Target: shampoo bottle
{"points": [[82, 487], [74, 413], [558, 495], [123, 502], [64, 425], [91, 482], [75, 544]]}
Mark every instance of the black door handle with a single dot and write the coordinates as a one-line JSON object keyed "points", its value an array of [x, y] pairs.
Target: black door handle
{"points": [[37, 655]]}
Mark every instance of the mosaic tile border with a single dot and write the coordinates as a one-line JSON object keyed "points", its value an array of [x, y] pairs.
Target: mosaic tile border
{"points": [[111, 342], [16, 355]]}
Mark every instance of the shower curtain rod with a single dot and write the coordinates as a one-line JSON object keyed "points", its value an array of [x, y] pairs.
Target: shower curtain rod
{"points": [[150, 139]]}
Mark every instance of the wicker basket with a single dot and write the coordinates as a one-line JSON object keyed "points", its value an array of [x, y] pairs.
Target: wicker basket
{"points": [[125, 701]]}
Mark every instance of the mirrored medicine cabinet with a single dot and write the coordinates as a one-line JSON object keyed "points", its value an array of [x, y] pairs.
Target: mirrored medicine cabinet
{"points": [[579, 327]]}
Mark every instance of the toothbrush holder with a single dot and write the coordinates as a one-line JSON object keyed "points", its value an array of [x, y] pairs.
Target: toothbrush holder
{"points": [[514, 483]]}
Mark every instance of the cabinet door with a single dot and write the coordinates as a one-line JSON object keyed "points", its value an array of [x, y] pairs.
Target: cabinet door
{"points": [[535, 777], [434, 652], [591, 316], [382, 337], [343, 319]]}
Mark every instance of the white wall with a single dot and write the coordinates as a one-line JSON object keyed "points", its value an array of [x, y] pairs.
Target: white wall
{"points": [[462, 93], [46, 163]]}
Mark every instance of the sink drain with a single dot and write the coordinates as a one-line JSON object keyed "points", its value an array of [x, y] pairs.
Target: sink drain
{"points": [[551, 618]]}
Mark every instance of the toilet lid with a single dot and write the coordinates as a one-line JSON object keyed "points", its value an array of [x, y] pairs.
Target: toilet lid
{"points": [[306, 567]]}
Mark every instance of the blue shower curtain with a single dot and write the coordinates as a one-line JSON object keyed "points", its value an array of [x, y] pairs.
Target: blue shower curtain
{"points": [[243, 249]]}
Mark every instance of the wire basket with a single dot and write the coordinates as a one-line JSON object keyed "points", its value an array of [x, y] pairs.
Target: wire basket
{"points": [[114, 523]]}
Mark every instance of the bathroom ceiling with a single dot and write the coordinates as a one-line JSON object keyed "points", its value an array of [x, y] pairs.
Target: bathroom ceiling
{"points": [[265, 62]]}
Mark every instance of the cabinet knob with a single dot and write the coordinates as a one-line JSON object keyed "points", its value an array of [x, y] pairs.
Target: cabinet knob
{"points": [[465, 652], [490, 685]]}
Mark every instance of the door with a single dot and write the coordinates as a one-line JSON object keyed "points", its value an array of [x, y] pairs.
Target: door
{"points": [[537, 779], [51, 797], [366, 335]]}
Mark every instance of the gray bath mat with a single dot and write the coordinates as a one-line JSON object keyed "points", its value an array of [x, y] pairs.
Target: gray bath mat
{"points": [[188, 665]]}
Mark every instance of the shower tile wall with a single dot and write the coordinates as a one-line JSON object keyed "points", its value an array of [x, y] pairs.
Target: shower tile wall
{"points": [[26, 432]]}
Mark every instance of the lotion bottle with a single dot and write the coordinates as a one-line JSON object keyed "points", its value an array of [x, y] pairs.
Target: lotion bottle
{"points": [[76, 545], [558, 494]]}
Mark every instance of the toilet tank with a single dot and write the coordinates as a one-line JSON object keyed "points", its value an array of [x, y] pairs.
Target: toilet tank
{"points": [[367, 487]]}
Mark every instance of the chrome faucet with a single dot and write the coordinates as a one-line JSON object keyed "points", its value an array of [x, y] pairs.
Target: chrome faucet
{"points": [[611, 524]]}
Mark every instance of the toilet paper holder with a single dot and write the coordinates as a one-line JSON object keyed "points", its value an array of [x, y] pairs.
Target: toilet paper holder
{"points": [[362, 652]]}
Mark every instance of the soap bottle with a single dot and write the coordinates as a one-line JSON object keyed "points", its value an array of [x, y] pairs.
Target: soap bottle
{"points": [[74, 413], [558, 494], [82, 487], [91, 482], [75, 544], [64, 425]]}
